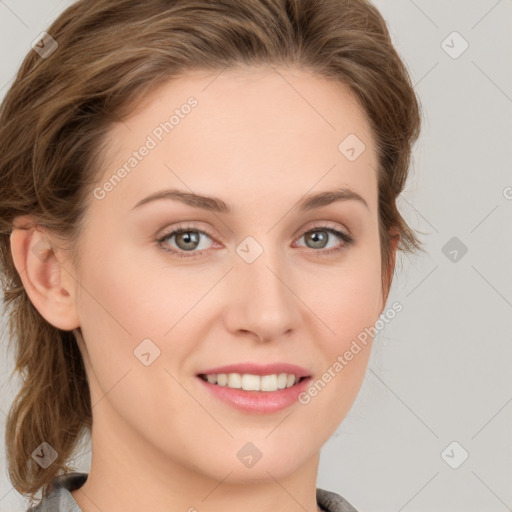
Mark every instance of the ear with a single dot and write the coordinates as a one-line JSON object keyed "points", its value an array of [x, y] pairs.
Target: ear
{"points": [[394, 241], [51, 289]]}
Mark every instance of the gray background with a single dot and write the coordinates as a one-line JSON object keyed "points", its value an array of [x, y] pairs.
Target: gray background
{"points": [[441, 370]]}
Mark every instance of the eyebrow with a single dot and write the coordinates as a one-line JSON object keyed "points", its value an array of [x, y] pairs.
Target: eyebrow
{"points": [[214, 204]]}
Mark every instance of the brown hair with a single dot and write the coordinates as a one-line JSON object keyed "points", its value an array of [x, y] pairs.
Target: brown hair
{"points": [[57, 113]]}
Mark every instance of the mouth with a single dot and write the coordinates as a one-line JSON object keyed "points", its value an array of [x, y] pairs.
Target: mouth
{"points": [[253, 382], [255, 389]]}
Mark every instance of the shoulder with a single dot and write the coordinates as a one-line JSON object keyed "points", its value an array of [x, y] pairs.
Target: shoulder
{"points": [[60, 498], [332, 502]]}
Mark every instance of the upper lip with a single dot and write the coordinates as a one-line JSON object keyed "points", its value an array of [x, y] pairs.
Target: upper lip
{"points": [[258, 369]]}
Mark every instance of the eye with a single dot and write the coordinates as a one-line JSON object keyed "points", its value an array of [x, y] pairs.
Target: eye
{"points": [[188, 239], [319, 236]]}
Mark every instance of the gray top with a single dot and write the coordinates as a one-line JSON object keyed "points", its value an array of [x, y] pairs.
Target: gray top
{"points": [[61, 500]]}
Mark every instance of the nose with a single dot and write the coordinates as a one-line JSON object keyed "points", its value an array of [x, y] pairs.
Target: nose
{"points": [[261, 300]]}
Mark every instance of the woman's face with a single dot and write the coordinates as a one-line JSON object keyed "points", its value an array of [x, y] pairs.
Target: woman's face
{"points": [[245, 283]]}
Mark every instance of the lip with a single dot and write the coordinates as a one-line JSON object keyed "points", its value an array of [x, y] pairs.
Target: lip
{"points": [[259, 369], [256, 402]]}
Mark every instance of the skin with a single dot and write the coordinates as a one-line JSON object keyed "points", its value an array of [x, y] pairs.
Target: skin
{"points": [[259, 144]]}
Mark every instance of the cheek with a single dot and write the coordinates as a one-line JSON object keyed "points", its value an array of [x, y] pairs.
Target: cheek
{"points": [[130, 295], [348, 305], [118, 309], [127, 299], [124, 307], [347, 297]]}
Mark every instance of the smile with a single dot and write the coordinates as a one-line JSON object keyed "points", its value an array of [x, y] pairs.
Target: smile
{"points": [[251, 382]]}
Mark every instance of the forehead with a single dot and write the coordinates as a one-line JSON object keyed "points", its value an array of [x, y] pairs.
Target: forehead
{"points": [[256, 132]]}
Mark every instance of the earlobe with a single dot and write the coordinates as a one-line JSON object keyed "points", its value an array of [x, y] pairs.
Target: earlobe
{"points": [[47, 284]]}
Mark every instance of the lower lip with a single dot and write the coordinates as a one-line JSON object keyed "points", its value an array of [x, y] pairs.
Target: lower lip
{"points": [[260, 402]]}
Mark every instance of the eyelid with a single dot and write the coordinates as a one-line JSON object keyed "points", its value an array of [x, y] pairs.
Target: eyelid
{"points": [[188, 226], [327, 224]]}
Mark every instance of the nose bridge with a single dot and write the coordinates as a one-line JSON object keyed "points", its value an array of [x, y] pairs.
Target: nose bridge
{"points": [[263, 302]]}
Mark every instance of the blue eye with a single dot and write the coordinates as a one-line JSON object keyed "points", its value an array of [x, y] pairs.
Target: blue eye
{"points": [[187, 240]]}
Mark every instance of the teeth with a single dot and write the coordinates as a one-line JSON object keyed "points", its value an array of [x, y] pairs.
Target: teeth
{"points": [[249, 382], [234, 380], [269, 382], [282, 380]]}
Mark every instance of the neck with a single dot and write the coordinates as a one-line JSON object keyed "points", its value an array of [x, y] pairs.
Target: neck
{"points": [[142, 478]]}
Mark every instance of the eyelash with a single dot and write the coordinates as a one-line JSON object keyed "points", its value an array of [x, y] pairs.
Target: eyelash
{"points": [[346, 238]]}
